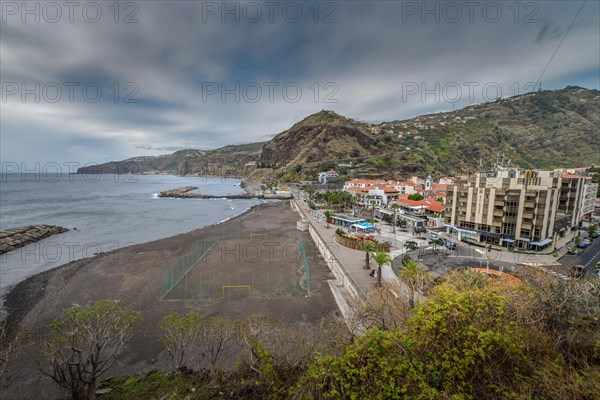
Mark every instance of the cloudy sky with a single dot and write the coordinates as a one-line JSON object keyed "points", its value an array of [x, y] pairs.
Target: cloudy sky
{"points": [[99, 81]]}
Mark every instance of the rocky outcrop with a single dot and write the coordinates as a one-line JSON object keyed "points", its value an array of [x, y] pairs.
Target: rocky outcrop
{"points": [[14, 238]]}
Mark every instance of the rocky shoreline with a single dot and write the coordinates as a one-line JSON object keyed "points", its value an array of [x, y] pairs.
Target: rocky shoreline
{"points": [[14, 238]]}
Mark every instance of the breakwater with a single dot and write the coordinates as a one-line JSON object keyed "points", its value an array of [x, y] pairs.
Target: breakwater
{"points": [[14, 238], [186, 193]]}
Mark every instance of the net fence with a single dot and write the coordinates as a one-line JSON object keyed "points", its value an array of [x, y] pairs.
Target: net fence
{"points": [[270, 263]]}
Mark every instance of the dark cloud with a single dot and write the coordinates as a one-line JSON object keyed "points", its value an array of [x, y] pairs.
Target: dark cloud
{"points": [[358, 65], [549, 31]]}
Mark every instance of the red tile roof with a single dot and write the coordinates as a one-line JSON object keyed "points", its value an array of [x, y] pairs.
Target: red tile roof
{"points": [[431, 205], [573, 176]]}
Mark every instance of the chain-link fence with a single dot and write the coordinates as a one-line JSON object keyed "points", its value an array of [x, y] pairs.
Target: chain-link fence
{"points": [[270, 263]]}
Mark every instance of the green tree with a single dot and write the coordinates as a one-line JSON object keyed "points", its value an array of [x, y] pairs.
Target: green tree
{"points": [[533, 339], [368, 247], [411, 245], [328, 214], [11, 346], [84, 343], [415, 276], [310, 191], [591, 229], [420, 230], [381, 258], [468, 279], [179, 333], [416, 197], [436, 243], [379, 365], [216, 338]]}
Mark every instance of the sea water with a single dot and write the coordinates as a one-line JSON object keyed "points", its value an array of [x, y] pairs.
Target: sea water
{"points": [[103, 213]]}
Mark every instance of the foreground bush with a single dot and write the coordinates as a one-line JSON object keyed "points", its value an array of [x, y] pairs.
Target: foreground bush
{"points": [[469, 339], [473, 341], [84, 343]]}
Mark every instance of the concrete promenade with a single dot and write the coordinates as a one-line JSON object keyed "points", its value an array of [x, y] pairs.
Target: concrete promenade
{"points": [[352, 261]]}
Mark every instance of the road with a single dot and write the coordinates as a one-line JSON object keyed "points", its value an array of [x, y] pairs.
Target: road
{"points": [[589, 257], [441, 260]]}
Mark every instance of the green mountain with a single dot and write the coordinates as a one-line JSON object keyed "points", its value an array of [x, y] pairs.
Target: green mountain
{"points": [[225, 161], [546, 130]]}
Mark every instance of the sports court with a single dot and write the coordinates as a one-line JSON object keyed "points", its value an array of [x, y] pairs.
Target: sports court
{"points": [[259, 264]]}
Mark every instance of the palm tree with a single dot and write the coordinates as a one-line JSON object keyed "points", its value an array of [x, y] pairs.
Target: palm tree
{"points": [[367, 247], [353, 200], [414, 275], [468, 279], [310, 191], [373, 207], [394, 208], [328, 214], [381, 258]]}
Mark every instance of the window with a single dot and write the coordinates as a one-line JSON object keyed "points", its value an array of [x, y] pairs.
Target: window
{"points": [[508, 229]]}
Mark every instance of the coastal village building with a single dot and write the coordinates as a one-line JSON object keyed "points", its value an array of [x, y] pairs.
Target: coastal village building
{"points": [[514, 208], [374, 195], [400, 186], [383, 194], [596, 212], [328, 176], [421, 207], [588, 200]]}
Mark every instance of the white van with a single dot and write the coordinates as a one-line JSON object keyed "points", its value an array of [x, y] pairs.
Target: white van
{"points": [[434, 236]]}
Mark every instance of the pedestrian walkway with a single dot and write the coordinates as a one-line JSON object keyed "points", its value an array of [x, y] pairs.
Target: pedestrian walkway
{"points": [[352, 261]]}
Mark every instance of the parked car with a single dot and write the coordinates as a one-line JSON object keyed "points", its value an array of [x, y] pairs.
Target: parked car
{"points": [[586, 241], [434, 236], [595, 234], [582, 245], [450, 245], [574, 251]]}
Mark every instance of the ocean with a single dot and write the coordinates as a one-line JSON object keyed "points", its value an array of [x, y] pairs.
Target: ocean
{"points": [[104, 213]]}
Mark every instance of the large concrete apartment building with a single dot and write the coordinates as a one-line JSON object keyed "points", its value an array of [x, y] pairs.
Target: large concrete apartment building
{"points": [[515, 208]]}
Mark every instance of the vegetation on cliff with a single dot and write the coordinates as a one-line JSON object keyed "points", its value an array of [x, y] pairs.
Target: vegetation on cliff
{"points": [[546, 130], [469, 338]]}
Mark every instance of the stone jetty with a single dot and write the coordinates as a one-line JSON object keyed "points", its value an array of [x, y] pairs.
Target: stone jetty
{"points": [[184, 193], [14, 238]]}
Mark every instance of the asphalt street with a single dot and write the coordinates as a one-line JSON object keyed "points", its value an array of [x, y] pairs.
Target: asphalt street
{"points": [[588, 258]]}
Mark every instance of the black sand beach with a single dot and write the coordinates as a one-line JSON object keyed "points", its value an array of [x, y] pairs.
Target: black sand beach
{"points": [[134, 276]]}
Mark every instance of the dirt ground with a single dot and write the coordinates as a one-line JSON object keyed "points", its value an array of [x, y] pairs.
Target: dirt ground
{"points": [[236, 268], [135, 277]]}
